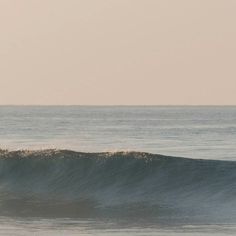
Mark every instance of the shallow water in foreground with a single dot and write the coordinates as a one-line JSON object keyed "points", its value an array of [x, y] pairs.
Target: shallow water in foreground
{"points": [[86, 227]]}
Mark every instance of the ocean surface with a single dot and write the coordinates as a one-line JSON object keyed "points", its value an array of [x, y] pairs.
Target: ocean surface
{"points": [[117, 170]]}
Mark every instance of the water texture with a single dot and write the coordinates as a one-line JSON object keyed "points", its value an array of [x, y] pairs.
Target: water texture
{"points": [[96, 170]]}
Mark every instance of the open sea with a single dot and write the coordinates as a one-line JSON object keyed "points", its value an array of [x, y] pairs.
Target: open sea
{"points": [[118, 170]]}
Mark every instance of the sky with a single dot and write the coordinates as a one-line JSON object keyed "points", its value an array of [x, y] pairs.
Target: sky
{"points": [[118, 52]]}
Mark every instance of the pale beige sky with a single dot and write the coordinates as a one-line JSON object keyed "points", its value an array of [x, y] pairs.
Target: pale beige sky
{"points": [[118, 52]]}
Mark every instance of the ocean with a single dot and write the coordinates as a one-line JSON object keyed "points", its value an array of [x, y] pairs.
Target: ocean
{"points": [[117, 170]]}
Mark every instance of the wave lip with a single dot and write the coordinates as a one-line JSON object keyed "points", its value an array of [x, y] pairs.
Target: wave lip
{"points": [[68, 183]]}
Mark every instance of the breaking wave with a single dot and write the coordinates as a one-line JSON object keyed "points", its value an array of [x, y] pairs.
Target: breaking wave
{"points": [[75, 184]]}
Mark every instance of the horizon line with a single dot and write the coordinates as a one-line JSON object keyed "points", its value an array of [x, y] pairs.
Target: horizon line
{"points": [[122, 105]]}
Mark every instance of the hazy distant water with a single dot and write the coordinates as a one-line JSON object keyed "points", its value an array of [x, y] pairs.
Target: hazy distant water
{"points": [[69, 193], [196, 132]]}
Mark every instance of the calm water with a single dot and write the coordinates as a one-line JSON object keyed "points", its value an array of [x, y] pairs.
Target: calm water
{"points": [[64, 227], [196, 132], [175, 186]]}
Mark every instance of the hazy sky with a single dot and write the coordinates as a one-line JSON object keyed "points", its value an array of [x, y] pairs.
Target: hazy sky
{"points": [[117, 52]]}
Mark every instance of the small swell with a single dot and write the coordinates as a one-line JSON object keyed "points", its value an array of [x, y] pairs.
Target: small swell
{"points": [[71, 184]]}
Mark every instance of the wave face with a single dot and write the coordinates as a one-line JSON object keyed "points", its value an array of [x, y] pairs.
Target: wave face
{"points": [[64, 183]]}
